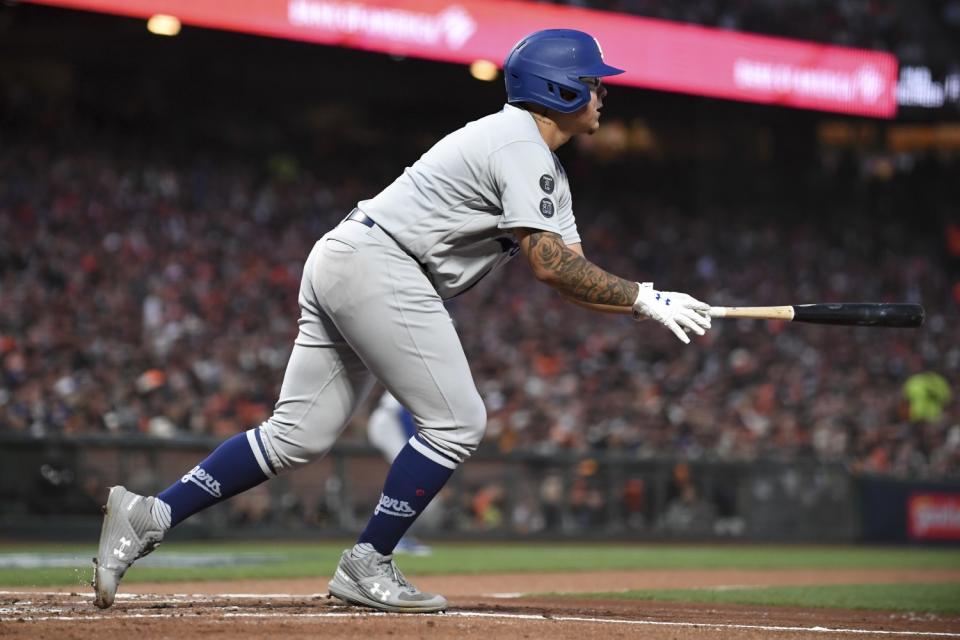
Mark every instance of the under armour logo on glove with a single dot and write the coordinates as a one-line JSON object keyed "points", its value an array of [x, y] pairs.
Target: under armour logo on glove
{"points": [[686, 315]]}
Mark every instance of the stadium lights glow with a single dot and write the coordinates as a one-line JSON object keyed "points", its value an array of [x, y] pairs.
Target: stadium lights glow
{"points": [[162, 24], [483, 70]]}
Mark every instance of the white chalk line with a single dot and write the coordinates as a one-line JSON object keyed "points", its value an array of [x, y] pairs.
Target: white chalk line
{"points": [[509, 616], [24, 615]]}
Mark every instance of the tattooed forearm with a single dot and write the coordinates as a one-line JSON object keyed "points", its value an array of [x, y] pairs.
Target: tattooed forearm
{"points": [[575, 276]]}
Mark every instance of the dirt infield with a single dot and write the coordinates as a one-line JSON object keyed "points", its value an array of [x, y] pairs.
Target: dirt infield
{"points": [[481, 606]]}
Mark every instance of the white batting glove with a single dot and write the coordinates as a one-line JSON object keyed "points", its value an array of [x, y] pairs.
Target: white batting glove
{"points": [[679, 312]]}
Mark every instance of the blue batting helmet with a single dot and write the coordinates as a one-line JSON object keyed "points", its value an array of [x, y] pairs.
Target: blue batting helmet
{"points": [[545, 62]]}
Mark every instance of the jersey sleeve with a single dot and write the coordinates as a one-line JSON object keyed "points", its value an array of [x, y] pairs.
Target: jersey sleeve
{"points": [[565, 218], [526, 178]]}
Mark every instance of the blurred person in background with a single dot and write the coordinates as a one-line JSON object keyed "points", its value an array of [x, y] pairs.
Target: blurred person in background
{"points": [[927, 394]]}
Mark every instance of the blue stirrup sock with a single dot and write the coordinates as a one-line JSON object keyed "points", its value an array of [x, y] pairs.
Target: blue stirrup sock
{"points": [[240, 463], [416, 476]]}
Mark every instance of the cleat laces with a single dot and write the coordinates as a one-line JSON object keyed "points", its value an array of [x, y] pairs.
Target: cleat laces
{"points": [[389, 569]]}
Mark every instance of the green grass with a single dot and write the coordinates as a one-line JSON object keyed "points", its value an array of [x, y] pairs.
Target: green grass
{"points": [[940, 598], [317, 560]]}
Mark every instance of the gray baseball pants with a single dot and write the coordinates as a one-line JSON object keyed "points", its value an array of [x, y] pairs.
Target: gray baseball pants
{"points": [[369, 311]]}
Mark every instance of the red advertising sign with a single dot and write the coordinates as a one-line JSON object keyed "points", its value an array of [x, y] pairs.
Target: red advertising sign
{"points": [[934, 516], [656, 54]]}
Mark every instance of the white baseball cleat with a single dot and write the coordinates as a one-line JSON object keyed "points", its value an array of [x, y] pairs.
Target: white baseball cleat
{"points": [[129, 532], [373, 580]]}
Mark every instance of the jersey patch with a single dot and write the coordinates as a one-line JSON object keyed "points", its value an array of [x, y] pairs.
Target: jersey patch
{"points": [[546, 208], [547, 183]]}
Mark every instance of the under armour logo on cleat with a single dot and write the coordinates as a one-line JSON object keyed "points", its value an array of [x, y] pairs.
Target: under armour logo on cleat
{"points": [[377, 591], [120, 551]]}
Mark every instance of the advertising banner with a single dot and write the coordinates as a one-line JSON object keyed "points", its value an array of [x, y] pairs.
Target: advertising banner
{"points": [[934, 516], [656, 54]]}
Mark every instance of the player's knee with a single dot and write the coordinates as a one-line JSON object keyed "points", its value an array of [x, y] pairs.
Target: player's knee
{"points": [[460, 438], [287, 449], [474, 425]]}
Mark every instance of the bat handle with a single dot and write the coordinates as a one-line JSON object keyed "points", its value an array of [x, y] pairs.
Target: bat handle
{"points": [[783, 312]]}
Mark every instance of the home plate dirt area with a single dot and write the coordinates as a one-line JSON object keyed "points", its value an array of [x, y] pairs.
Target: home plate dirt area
{"points": [[484, 607]]}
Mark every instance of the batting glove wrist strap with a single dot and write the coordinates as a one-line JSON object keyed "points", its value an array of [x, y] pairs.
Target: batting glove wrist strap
{"points": [[678, 312], [638, 310]]}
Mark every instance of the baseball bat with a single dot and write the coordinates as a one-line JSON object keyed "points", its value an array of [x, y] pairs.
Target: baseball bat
{"points": [[863, 314]]}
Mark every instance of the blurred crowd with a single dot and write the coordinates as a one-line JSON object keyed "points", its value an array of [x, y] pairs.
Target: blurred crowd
{"points": [[136, 297], [917, 32], [156, 294]]}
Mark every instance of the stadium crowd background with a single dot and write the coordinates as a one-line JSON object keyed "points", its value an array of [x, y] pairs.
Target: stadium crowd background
{"points": [[916, 32], [144, 294], [148, 275]]}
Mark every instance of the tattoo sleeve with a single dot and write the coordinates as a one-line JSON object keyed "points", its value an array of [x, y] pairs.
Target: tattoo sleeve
{"points": [[574, 275]]}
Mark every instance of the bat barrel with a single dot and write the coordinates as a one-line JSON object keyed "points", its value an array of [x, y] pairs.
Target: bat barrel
{"points": [[865, 314]]}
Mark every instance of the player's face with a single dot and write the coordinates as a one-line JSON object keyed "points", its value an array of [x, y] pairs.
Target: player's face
{"points": [[587, 118]]}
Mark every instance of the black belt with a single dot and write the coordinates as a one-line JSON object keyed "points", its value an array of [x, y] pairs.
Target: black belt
{"points": [[359, 216]]}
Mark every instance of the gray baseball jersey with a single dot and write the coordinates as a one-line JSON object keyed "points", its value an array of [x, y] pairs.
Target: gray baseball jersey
{"points": [[453, 209], [371, 297]]}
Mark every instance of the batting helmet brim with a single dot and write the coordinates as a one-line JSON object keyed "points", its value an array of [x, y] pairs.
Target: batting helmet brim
{"points": [[601, 70]]}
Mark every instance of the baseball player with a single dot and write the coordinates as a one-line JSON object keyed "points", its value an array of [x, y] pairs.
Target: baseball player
{"points": [[371, 303]]}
